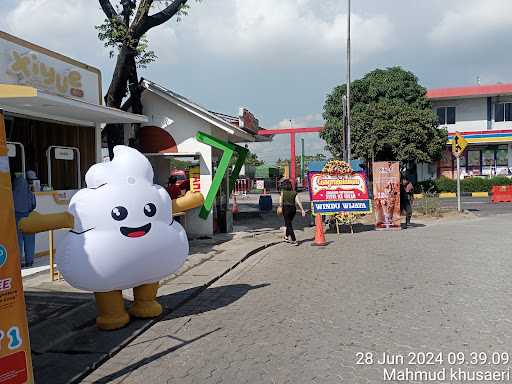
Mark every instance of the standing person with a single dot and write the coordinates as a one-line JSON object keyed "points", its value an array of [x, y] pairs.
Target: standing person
{"points": [[288, 201], [406, 200], [24, 203], [173, 189]]}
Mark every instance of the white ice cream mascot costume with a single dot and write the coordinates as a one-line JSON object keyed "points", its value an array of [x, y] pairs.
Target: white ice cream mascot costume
{"points": [[123, 236]]}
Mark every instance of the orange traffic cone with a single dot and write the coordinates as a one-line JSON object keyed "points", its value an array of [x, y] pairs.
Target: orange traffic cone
{"points": [[319, 232]]}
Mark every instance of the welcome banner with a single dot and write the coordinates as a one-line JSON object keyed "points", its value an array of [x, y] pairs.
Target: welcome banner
{"points": [[386, 194], [331, 193]]}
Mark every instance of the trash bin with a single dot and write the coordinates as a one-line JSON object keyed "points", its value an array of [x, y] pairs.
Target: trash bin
{"points": [[265, 203]]}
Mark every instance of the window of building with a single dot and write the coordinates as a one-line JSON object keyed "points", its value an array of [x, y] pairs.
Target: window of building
{"points": [[488, 157], [474, 158], [446, 115], [502, 156], [503, 112]]}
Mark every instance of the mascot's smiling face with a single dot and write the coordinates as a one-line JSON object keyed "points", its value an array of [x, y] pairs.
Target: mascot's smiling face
{"points": [[121, 198], [124, 233]]}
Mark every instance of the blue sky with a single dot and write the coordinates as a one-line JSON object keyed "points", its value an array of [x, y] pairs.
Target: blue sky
{"points": [[280, 58]]}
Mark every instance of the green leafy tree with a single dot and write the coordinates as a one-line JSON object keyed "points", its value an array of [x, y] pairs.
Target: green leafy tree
{"points": [[391, 119], [252, 159], [124, 34]]}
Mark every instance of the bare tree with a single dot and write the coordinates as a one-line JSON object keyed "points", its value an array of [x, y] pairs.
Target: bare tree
{"points": [[124, 31]]}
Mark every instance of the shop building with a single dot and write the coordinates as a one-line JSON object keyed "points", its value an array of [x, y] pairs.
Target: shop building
{"points": [[483, 114], [170, 135], [54, 114]]}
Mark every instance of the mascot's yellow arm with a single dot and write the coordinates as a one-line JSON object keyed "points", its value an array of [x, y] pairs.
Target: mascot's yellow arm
{"points": [[189, 201], [37, 222]]}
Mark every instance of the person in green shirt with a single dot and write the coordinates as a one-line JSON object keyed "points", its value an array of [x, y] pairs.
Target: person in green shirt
{"points": [[287, 202]]}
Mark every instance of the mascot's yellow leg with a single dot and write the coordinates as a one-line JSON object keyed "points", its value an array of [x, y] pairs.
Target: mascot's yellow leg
{"points": [[111, 311], [145, 304]]}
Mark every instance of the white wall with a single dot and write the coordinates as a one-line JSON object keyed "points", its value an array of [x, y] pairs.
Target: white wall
{"points": [[470, 114], [183, 127]]}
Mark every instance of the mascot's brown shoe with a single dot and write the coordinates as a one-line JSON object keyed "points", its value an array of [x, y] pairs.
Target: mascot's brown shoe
{"points": [[111, 312], [145, 304]]}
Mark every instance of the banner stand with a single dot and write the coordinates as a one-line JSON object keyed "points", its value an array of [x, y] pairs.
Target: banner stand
{"points": [[386, 195], [15, 358]]}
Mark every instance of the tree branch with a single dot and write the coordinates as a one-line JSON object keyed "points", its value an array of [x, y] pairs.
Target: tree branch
{"points": [[138, 26], [108, 9], [164, 15]]}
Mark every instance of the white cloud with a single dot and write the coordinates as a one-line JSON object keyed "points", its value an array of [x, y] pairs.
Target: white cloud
{"points": [[470, 21], [65, 26], [164, 42], [282, 31], [280, 146], [312, 120], [68, 28]]}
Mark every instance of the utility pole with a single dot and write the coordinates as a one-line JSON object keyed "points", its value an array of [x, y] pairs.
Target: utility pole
{"points": [[347, 144]]}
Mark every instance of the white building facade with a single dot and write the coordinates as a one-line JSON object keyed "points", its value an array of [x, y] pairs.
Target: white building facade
{"points": [[483, 114], [173, 123]]}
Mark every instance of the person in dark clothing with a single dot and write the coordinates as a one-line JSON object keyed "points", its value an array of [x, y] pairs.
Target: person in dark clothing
{"points": [[24, 203], [173, 189], [287, 202], [406, 200]]}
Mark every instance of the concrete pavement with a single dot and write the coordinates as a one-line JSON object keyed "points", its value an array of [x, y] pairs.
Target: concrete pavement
{"points": [[302, 314], [65, 342]]}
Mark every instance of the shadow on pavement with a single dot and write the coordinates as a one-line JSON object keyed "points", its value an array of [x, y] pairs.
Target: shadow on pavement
{"points": [[147, 360], [413, 225], [79, 347], [210, 299]]}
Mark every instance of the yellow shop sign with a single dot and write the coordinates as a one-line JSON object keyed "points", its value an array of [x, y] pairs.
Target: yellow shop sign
{"points": [[24, 63], [29, 69]]}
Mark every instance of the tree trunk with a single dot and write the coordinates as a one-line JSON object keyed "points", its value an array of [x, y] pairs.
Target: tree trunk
{"points": [[125, 73], [136, 101], [116, 92]]}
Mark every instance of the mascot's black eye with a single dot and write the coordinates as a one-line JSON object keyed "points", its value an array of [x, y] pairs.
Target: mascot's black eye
{"points": [[119, 213], [150, 209]]}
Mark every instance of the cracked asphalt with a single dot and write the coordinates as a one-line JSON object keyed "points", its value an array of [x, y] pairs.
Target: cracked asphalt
{"points": [[301, 314]]}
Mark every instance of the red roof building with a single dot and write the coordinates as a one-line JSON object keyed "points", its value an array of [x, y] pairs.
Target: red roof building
{"points": [[483, 114]]}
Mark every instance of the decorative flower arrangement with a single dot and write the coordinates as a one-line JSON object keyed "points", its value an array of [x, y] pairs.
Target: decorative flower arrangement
{"points": [[347, 218], [337, 167]]}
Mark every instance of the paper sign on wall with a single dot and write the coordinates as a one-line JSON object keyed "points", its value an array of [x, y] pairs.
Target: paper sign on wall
{"points": [[64, 153], [11, 150]]}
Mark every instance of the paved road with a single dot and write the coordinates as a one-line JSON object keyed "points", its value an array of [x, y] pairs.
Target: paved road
{"points": [[478, 205], [301, 314]]}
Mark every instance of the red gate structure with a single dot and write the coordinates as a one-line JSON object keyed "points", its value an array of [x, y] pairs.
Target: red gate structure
{"points": [[292, 132]]}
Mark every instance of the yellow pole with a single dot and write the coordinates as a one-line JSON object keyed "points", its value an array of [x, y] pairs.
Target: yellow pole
{"points": [[15, 358], [53, 273]]}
